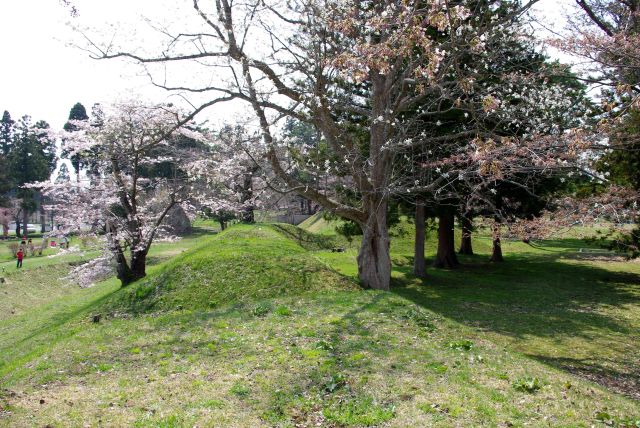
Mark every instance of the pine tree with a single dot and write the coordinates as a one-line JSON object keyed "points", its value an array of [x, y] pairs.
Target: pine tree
{"points": [[31, 159], [6, 137], [77, 112], [6, 133]]}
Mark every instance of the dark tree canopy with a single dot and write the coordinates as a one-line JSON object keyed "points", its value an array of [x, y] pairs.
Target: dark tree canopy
{"points": [[31, 159], [6, 130], [77, 112]]}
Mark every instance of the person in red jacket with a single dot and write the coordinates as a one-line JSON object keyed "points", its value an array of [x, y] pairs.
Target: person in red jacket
{"points": [[20, 256]]}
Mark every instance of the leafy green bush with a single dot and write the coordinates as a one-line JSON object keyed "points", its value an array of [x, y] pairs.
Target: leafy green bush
{"points": [[463, 345], [527, 384]]}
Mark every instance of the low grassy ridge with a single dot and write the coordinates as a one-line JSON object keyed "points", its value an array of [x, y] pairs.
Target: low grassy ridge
{"points": [[242, 264], [254, 327]]}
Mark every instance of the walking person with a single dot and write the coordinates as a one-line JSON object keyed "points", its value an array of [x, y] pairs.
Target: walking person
{"points": [[20, 256]]}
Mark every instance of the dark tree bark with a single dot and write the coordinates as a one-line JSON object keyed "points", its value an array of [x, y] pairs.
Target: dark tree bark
{"points": [[138, 264], [374, 260], [123, 271], [465, 242], [25, 223], [128, 273], [419, 263], [446, 255], [223, 224], [43, 216], [18, 228], [247, 215], [496, 255]]}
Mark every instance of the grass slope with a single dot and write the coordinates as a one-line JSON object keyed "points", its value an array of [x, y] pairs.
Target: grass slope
{"points": [[552, 302], [319, 225], [240, 265], [277, 349]]}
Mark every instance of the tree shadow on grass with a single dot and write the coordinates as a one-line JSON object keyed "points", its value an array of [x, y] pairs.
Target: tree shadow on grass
{"points": [[627, 382], [539, 299], [306, 240]]}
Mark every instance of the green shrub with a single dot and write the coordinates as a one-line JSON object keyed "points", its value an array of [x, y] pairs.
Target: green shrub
{"points": [[527, 384], [463, 345]]}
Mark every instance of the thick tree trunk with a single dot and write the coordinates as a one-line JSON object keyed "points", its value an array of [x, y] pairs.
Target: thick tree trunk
{"points": [[446, 255], [496, 255], [223, 224], [129, 273], [374, 261], [139, 264], [465, 241], [18, 229], [123, 270], [419, 263]]}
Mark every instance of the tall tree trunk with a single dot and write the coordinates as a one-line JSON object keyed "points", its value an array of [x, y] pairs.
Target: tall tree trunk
{"points": [[43, 216], [247, 215], [419, 263], [496, 255], [25, 223], [223, 224], [465, 241], [374, 261], [75, 163], [446, 255], [18, 229]]}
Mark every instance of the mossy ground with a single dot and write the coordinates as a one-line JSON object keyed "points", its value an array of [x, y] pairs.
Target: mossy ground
{"points": [[290, 342]]}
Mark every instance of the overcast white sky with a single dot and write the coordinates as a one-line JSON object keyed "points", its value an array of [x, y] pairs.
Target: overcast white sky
{"points": [[41, 75]]}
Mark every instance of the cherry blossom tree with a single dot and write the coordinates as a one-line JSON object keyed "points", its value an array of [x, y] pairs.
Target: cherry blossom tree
{"points": [[120, 200], [227, 181], [605, 34]]}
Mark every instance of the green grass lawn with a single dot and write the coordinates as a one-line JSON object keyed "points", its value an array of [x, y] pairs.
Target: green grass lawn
{"points": [[264, 326]]}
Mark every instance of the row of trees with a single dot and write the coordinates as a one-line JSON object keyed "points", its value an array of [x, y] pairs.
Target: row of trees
{"points": [[446, 107], [27, 154]]}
